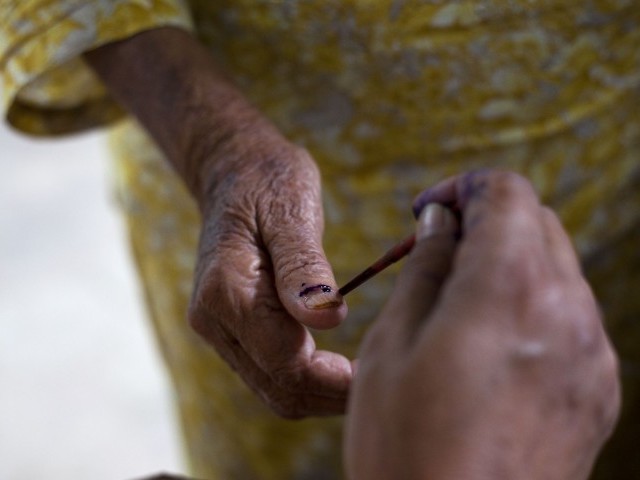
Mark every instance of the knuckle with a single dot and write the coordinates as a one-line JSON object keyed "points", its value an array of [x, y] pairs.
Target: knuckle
{"points": [[554, 302], [208, 327], [290, 377], [294, 170], [503, 185], [585, 321], [298, 207], [267, 305], [290, 261], [304, 160], [210, 305], [610, 369], [197, 323], [548, 299], [198, 320], [611, 365], [608, 393], [566, 314], [549, 311], [513, 276], [510, 183], [512, 195], [286, 405], [292, 187]]}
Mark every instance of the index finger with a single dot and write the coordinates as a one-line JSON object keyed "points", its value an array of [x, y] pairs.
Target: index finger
{"points": [[502, 225]]}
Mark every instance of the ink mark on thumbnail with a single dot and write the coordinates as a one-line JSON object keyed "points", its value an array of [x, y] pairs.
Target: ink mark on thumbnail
{"points": [[315, 288]]}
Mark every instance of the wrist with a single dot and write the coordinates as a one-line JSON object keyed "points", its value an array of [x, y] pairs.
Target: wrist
{"points": [[172, 85], [218, 146]]}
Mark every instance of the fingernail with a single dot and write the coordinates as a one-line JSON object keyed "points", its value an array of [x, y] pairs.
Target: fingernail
{"points": [[420, 202], [435, 219], [317, 297]]}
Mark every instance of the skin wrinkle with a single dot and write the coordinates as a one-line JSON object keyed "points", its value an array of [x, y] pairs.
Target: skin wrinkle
{"points": [[224, 139], [544, 153], [292, 269], [280, 401], [303, 208], [281, 178], [292, 376], [246, 157], [265, 307], [228, 228], [271, 216], [520, 299], [196, 151], [264, 304], [216, 332]]}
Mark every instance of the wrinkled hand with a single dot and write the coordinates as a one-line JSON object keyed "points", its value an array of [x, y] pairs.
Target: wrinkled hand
{"points": [[262, 218], [490, 359], [260, 248]]}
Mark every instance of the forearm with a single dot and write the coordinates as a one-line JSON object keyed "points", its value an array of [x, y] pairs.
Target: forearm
{"points": [[172, 85]]}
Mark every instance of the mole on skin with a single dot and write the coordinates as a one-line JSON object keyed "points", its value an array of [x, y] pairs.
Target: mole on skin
{"points": [[318, 296]]}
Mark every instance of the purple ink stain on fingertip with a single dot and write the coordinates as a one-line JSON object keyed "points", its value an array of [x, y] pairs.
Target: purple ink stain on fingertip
{"points": [[314, 289], [318, 297], [473, 185]]}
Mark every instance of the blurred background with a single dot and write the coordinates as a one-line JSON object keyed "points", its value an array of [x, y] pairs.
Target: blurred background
{"points": [[82, 390]]}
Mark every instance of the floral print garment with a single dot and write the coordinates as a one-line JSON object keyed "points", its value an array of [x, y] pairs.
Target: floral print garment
{"points": [[390, 96]]}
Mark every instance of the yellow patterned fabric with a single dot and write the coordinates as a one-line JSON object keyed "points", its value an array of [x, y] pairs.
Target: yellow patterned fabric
{"points": [[390, 96], [45, 88]]}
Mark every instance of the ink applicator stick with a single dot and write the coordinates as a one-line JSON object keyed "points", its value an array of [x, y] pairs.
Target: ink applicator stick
{"points": [[394, 254]]}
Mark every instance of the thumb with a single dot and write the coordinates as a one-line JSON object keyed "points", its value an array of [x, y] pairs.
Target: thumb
{"points": [[304, 279], [429, 264]]}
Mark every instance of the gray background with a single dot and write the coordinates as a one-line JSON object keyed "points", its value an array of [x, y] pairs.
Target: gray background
{"points": [[82, 391]]}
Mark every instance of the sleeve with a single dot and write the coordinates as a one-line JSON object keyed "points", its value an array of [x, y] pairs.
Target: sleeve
{"points": [[45, 87]]}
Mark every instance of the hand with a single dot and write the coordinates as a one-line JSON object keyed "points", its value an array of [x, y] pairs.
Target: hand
{"points": [[259, 196], [490, 359], [260, 257]]}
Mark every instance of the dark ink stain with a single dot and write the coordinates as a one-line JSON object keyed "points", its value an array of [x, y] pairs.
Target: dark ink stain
{"points": [[474, 185], [313, 288]]}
